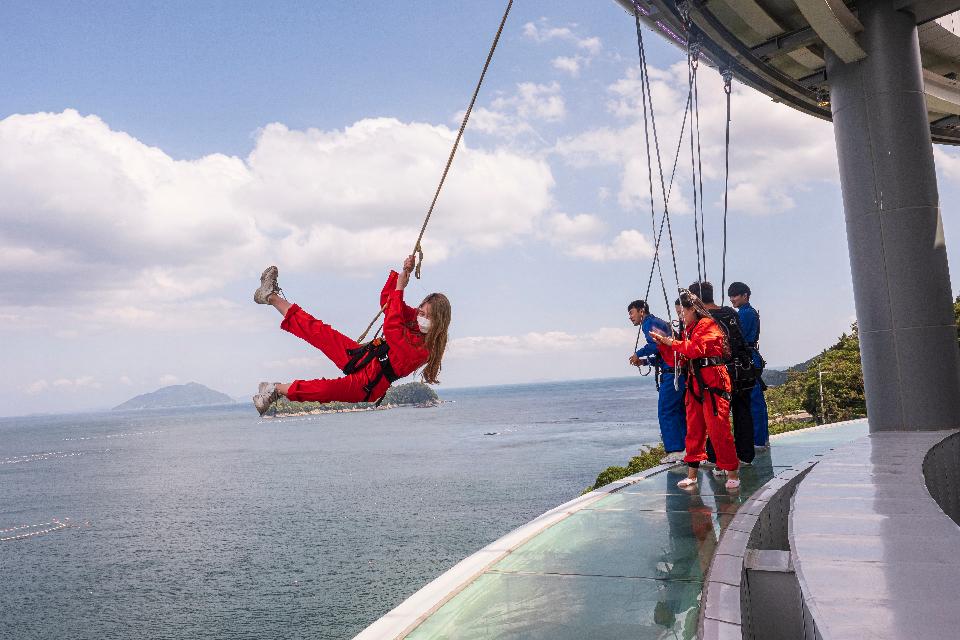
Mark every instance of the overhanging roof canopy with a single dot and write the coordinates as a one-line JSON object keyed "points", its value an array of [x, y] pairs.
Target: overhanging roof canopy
{"points": [[777, 47]]}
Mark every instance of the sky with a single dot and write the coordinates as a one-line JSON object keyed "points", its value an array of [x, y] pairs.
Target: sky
{"points": [[155, 158]]}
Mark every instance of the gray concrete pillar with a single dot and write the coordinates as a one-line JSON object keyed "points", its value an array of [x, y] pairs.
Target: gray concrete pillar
{"points": [[901, 281]]}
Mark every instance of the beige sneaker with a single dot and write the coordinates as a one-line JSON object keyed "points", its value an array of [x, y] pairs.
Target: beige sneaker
{"points": [[267, 394], [268, 285]]}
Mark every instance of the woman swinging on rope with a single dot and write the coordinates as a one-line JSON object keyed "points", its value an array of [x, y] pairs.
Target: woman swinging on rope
{"points": [[412, 338]]}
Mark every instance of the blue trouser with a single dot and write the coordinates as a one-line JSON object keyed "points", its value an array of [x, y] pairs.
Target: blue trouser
{"points": [[758, 409], [672, 413]]}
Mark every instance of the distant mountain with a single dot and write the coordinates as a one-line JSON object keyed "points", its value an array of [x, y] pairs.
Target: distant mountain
{"points": [[775, 377], [191, 394]]}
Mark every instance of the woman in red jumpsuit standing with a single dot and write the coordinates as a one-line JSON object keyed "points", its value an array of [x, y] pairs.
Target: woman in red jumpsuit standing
{"points": [[708, 391], [414, 338]]}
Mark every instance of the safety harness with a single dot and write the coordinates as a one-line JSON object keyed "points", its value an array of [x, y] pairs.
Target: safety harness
{"points": [[696, 367], [363, 355]]}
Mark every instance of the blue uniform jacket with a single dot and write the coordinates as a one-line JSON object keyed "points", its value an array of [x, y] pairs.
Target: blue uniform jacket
{"points": [[649, 352], [750, 328]]}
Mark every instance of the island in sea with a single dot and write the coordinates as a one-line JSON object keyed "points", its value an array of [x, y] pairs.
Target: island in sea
{"points": [[412, 394], [175, 396]]}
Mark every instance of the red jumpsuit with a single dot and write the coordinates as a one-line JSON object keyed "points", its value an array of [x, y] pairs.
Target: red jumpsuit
{"points": [[407, 352], [711, 415]]}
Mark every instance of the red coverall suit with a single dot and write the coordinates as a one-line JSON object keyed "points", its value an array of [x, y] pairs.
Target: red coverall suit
{"points": [[407, 352], [711, 415]]}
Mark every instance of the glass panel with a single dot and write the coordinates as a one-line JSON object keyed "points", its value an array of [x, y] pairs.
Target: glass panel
{"points": [[539, 607]]}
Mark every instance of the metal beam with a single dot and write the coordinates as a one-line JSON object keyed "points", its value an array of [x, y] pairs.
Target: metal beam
{"points": [[760, 21], [927, 10], [835, 25], [943, 94], [785, 43]]}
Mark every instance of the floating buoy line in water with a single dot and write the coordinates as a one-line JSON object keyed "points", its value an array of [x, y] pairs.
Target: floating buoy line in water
{"points": [[25, 531], [48, 455]]}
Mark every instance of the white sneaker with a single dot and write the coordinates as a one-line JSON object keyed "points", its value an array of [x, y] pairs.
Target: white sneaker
{"points": [[267, 394], [706, 464], [268, 285], [718, 473], [673, 457]]}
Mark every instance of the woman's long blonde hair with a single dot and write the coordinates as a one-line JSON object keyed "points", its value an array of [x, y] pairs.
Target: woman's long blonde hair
{"points": [[436, 338]]}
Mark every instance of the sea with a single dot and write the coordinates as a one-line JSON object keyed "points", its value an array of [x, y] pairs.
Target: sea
{"points": [[215, 523]]}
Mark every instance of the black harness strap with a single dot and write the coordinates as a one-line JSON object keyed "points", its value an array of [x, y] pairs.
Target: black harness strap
{"points": [[363, 355], [696, 366]]}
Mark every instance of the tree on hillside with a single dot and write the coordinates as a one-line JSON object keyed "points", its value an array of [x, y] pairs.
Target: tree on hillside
{"points": [[842, 375]]}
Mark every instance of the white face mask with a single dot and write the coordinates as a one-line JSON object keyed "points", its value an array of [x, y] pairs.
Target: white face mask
{"points": [[424, 323]]}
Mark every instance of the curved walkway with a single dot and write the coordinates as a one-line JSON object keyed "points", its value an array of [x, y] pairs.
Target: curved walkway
{"points": [[865, 516], [626, 561]]}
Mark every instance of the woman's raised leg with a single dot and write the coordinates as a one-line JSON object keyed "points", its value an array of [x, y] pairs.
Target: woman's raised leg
{"points": [[321, 335], [278, 303]]}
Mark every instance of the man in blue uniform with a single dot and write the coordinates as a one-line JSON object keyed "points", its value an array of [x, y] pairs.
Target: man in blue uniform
{"points": [[670, 408], [739, 294]]}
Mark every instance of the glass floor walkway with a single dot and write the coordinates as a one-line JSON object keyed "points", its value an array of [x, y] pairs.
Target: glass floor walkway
{"points": [[630, 565]]}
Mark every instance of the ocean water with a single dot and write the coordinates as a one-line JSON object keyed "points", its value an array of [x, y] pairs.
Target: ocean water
{"points": [[213, 523]]}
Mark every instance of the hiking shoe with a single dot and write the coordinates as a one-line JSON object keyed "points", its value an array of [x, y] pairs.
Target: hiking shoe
{"points": [[673, 457], [268, 285], [267, 394]]}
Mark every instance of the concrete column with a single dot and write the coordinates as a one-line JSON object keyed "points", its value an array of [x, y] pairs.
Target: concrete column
{"points": [[901, 281]]}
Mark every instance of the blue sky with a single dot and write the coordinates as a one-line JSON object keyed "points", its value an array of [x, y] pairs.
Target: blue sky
{"points": [[153, 159]]}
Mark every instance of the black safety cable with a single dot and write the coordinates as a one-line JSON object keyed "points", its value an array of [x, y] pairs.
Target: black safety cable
{"points": [[691, 80], [659, 234], [696, 124], [727, 89], [645, 99], [656, 141], [646, 139]]}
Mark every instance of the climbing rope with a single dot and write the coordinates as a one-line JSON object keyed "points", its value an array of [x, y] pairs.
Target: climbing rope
{"points": [[417, 248]]}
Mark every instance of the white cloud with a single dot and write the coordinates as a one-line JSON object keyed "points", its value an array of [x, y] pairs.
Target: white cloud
{"points": [[569, 64], [67, 384], [543, 32], [587, 48], [111, 231], [774, 150], [540, 342], [628, 245], [591, 45], [125, 380], [948, 162], [36, 387], [580, 236], [521, 112], [168, 379], [564, 228]]}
